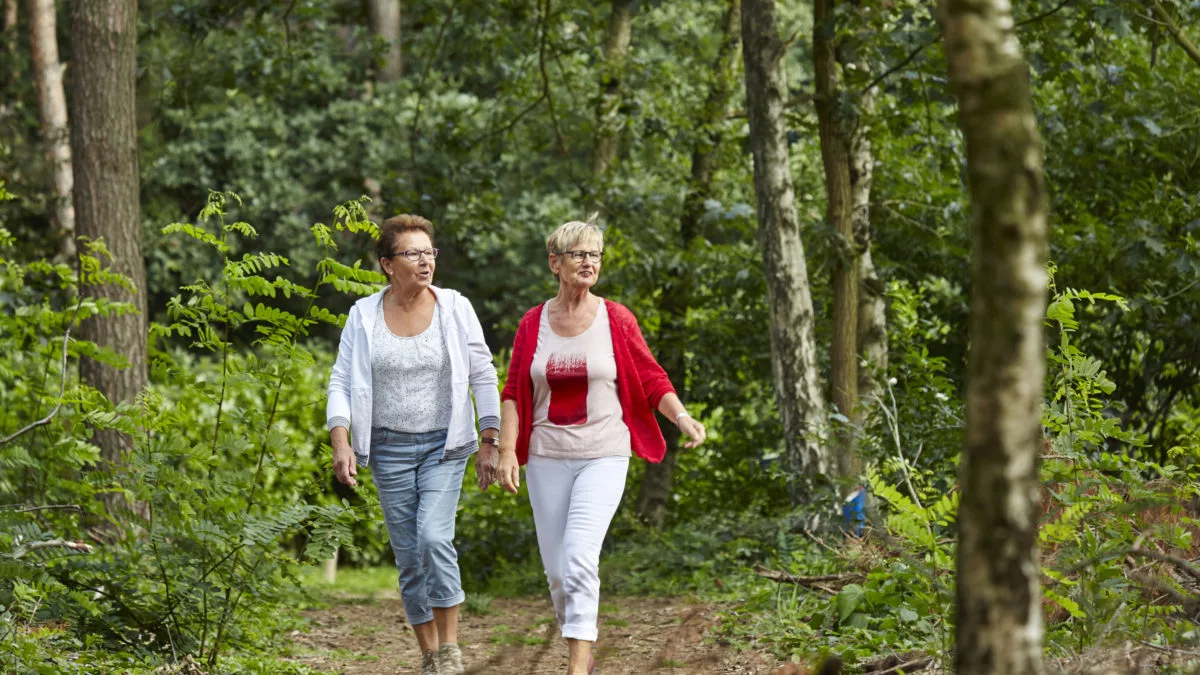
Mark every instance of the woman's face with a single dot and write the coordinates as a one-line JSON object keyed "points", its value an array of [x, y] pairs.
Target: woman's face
{"points": [[405, 273], [579, 265]]}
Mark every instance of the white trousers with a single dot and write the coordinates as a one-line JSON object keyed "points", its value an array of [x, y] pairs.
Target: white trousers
{"points": [[573, 504]]}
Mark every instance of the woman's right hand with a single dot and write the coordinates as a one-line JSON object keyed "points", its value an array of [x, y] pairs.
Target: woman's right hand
{"points": [[344, 466], [508, 471]]}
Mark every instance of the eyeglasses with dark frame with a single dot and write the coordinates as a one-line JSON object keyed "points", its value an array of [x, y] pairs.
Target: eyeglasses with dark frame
{"points": [[578, 256], [414, 254]]}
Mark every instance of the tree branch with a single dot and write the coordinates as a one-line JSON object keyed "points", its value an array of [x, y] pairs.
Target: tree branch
{"points": [[52, 543], [907, 60], [807, 582], [1043, 15], [1176, 32], [1174, 560], [61, 390]]}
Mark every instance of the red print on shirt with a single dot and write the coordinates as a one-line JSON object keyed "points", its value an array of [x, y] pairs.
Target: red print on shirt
{"points": [[567, 377]]}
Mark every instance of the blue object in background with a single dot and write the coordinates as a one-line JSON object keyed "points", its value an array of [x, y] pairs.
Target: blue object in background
{"points": [[854, 511]]}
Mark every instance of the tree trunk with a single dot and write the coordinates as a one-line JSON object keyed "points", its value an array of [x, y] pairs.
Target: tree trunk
{"points": [[872, 317], [835, 156], [654, 499], [612, 72], [793, 348], [104, 149], [10, 47], [52, 108], [999, 626], [385, 23]]}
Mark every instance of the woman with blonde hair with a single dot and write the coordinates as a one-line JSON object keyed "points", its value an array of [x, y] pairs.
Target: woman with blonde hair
{"points": [[409, 360], [580, 398]]}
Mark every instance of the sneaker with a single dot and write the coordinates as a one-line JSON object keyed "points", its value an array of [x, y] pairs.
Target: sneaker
{"points": [[429, 664], [450, 659]]}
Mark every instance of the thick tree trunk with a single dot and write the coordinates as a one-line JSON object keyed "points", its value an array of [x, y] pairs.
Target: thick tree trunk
{"points": [[999, 626], [654, 499], [835, 156], [52, 108], [104, 150], [612, 73], [872, 317], [385, 23], [793, 348]]}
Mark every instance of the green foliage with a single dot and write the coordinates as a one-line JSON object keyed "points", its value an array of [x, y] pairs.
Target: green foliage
{"points": [[224, 483]]}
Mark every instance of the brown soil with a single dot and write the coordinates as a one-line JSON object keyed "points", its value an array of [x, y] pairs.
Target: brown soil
{"points": [[637, 635]]}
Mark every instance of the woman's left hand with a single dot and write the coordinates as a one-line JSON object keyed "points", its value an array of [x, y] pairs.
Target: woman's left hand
{"points": [[694, 430], [485, 465]]}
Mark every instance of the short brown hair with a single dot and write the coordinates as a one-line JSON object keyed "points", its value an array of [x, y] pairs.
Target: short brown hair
{"points": [[397, 225]]}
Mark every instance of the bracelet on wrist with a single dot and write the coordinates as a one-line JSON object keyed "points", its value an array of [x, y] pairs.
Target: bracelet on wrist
{"points": [[681, 416], [490, 440]]}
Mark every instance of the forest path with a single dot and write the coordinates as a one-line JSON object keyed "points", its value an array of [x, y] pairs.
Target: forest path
{"points": [[518, 635]]}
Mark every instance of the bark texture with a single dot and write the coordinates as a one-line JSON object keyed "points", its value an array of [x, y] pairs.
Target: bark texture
{"points": [[835, 157], [612, 73], [872, 315], [654, 498], [104, 149], [52, 109], [999, 626], [793, 348], [385, 23]]}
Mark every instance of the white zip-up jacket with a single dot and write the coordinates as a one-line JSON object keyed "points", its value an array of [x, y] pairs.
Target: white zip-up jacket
{"points": [[471, 371]]}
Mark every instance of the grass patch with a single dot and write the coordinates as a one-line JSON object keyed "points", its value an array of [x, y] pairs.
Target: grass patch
{"points": [[479, 604], [616, 623]]}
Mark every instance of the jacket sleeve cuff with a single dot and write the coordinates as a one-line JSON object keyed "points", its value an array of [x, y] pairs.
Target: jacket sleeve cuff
{"points": [[335, 422], [489, 422]]}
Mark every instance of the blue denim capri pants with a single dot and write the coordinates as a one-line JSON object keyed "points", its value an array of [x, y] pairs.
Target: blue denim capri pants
{"points": [[418, 492]]}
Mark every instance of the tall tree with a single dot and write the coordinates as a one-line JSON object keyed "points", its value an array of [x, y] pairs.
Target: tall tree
{"points": [[677, 293], [612, 74], [999, 626], [835, 156], [793, 347], [52, 108], [104, 150], [872, 317], [385, 24]]}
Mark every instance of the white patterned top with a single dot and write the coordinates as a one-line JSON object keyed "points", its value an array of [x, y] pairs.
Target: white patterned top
{"points": [[412, 378]]}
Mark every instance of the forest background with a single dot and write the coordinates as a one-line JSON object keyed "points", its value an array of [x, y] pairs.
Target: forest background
{"points": [[256, 122]]}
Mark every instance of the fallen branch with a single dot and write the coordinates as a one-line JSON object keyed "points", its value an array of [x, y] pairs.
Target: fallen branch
{"points": [[821, 582], [908, 666], [52, 543], [1173, 560]]}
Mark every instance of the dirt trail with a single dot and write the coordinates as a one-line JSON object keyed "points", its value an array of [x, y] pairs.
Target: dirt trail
{"points": [[637, 635]]}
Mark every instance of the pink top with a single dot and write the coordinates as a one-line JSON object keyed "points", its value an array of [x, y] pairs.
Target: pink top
{"points": [[576, 409], [641, 382]]}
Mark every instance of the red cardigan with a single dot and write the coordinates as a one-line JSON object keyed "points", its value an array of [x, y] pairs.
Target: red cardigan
{"points": [[641, 382]]}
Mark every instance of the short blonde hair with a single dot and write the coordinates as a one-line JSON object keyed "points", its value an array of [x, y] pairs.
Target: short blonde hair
{"points": [[566, 236]]}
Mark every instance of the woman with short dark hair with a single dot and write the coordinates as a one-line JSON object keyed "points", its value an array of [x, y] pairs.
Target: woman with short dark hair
{"points": [[409, 360]]}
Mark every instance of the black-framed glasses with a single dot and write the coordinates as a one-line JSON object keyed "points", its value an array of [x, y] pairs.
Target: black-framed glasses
{"points": [[578, 256], [414, 254]]}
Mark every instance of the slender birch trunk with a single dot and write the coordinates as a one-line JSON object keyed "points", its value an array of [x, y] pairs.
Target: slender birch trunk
{"points": [[612, 74], [999, 625], [52, 108], [872, 317], [385, 23], [793, 348], [654, 498]]}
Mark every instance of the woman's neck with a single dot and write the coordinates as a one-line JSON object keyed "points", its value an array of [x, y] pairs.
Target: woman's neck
{"points": [[572, 299], [407, 298]]}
